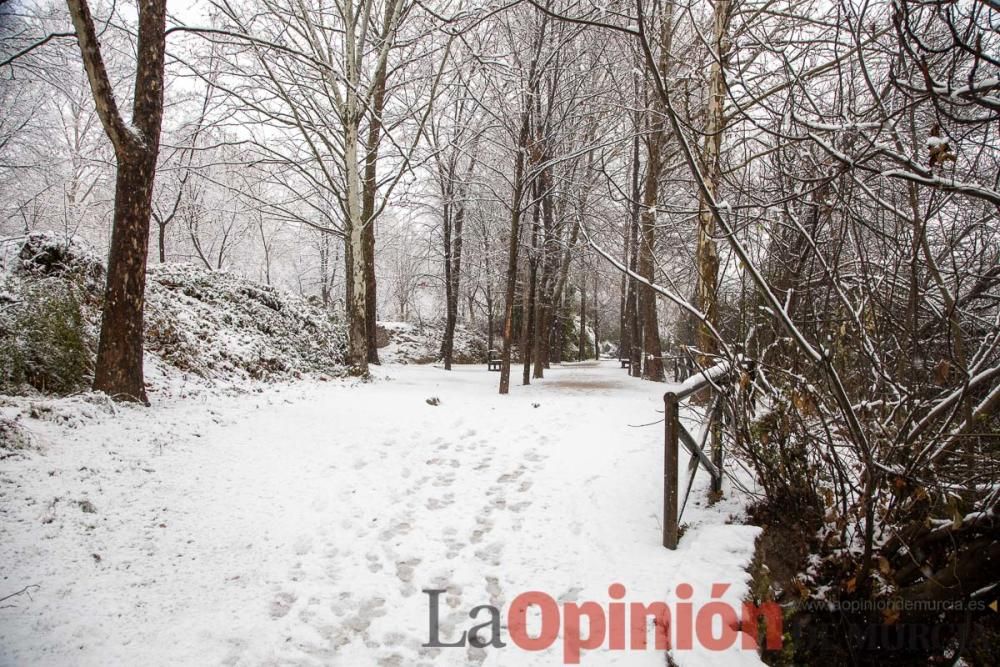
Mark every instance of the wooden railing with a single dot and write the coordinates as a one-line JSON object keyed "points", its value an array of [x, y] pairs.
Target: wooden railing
{"points": [[714, 380], [680, 365]]}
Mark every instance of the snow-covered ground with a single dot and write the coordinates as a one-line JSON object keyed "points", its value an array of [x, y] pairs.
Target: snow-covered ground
{"points": [[299, 525]]}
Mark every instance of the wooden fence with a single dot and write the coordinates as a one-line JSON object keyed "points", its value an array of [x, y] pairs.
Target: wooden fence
{"points": [[715, 380]]}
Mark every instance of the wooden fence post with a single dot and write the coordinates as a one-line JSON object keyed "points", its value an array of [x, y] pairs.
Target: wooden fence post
{"points": [[715, 423], [671, 425]]}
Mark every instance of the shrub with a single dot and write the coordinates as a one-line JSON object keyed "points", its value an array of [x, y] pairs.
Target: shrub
{"points": [[46, 342]]}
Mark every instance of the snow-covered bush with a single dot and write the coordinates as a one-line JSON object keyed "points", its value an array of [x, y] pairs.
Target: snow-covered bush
{"points": [[48, 294], [45, 341], [220, 325], [215, 325], [405, 343], [15, 440]]}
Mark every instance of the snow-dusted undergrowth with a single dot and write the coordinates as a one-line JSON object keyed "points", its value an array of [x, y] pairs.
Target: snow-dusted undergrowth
{"points": [[209, 326], [223, 326], [406, 343]]}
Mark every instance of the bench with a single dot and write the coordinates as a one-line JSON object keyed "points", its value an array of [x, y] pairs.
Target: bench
{"points": [[626, 363]]}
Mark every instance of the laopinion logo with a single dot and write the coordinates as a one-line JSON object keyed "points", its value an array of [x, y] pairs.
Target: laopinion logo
{"points": [[616, 625]]}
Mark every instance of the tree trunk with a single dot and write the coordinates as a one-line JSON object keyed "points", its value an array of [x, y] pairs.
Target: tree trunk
{"points": [[490, 305], [490, 320], [512, 251], [371, 316], [652, 368], [528, 340], [368, 200], [118, 371], [161, 242], [707, 254], [453, 269], [324, 269], [623, 295], [357, 328], [597, 344], [448, 340], [559, 331], [543, 308], [119, 368], [509, 293], [634, 349]]}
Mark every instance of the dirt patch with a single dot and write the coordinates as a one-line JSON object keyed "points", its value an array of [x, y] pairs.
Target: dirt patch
{"points": [[583, 384]]}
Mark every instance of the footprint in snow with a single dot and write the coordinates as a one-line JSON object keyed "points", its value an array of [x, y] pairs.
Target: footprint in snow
{"points": [[491, 553], [446, 479], [392, 660], [511, 476], [303, 545], [571, 595], [534, 456], [281, 605], [374, 565], [405, 569]]}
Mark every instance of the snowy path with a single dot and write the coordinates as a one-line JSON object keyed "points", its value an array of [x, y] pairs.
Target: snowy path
{"points": [[300, 525]]}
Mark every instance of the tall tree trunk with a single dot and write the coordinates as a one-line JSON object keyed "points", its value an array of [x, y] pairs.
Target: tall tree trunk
{"points": [[555, 334], [348, 268], [707, 254], [448, 340], [324, 269], [453, 228], [652, 368], [371, 293], [490, 320], [161, 241], [368, 199], [558, 308], [357, 304], [594, 313], [559, 330], [490, 315], [581, 351], [634, 352], [528, 340], [624, 341], [119, 370], [543, 308], [512, 252], [453, 271], [357, 328]]}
